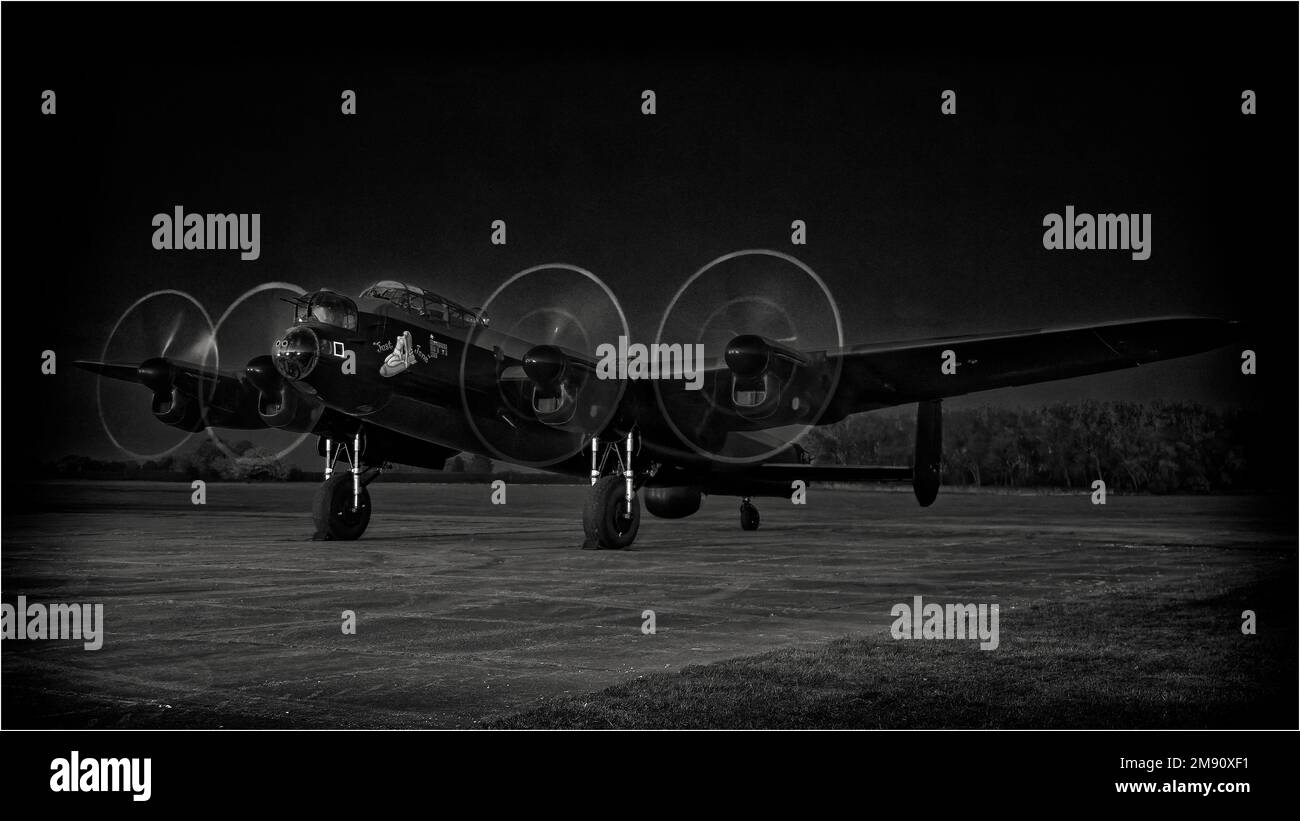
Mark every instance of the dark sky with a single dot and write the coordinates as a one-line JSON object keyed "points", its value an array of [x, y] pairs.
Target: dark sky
{"points": [[921, 225]]}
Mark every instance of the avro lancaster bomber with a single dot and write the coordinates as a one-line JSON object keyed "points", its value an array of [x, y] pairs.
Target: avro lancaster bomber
{"points": [[401, 375]]}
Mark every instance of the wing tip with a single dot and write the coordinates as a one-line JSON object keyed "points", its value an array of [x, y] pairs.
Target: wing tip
{"points": [[115, 370]]}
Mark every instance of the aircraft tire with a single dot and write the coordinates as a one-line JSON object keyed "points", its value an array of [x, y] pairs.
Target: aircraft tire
{"points": [[332, 510], [603, 519]]}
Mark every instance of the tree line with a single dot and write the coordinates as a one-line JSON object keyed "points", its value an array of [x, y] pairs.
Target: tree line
{"points": [[239, 462], [1147, 447]]}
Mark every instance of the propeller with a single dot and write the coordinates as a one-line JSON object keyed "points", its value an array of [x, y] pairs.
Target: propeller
{"points": [[763, 318], [158, 329], [547, 324]]}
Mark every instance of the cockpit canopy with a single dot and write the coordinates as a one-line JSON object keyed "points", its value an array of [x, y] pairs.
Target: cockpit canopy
{"points": [[327, 307], [425, 304]]}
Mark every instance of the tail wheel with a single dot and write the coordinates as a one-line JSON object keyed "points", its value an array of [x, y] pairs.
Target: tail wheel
{"points": [[605, 519], [748, 517], [332, 510]]}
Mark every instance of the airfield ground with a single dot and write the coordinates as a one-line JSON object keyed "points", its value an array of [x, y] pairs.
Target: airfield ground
{"points": [[470, 614]]}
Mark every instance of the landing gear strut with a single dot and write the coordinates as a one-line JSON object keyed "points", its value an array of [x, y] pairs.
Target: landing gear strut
{"points": [[341, 509], [612, 514], [748, 515]]}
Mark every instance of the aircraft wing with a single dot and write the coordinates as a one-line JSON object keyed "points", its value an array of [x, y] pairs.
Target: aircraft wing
{"points": [[763, 385], [875, 376], [161, 373], [189, 395], [114, 370]]}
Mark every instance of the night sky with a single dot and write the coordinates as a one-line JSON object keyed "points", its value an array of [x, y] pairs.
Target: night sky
{"points": [[921, 224]]}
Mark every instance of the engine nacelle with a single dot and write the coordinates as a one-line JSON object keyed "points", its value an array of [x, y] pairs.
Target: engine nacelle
{"points": [[560, 386], [767, 379], [285, 408], [672, 502], [178, 410], [278, 404]]}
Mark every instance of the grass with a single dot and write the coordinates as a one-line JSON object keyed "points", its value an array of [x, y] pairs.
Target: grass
{"points": [[1122, 659]]}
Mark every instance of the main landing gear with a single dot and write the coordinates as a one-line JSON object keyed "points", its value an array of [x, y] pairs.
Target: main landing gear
{"points": [[612, 514], [748, 515], [341, 509]]}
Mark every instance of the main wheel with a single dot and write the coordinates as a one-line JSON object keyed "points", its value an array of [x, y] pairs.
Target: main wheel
{"points": [[332, 510], [748, 517], [604, 517]]}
